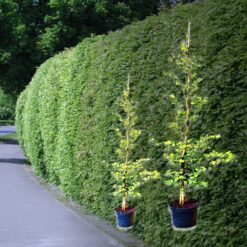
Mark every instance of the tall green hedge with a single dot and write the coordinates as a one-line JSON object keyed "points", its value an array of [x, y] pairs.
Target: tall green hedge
{"points": [[65, 117]]}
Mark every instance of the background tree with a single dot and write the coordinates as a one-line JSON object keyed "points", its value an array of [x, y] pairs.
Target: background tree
{"points": [[69, 21], [34, 30], [22, 21], [7, 107], [12, 46]]}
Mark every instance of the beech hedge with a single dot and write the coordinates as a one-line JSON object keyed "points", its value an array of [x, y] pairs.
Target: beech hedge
{"points": [[65, 117]]}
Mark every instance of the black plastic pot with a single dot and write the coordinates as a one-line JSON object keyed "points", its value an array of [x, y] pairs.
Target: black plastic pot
{"points": [[125, 219], [184, 218]]}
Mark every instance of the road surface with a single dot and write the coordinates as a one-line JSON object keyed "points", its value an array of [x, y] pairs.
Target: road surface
{"points": [[32, 217]]}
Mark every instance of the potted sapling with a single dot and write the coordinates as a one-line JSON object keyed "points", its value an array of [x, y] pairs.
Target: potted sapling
{"points": [[188, 157], [129, 172]]}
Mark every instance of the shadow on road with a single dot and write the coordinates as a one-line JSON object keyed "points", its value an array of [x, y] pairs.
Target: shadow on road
{"points": [[8, 141], [6, 132], [14, 161]]}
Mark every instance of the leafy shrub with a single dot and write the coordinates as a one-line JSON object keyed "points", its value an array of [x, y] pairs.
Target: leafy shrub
{"points": [[7, 106], [86, 84]]}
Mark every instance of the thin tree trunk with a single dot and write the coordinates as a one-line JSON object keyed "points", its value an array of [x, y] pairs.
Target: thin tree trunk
{"points": [[127, 136], [186, 128]]}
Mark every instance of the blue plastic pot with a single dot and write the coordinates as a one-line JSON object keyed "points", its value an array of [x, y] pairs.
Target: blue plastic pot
{"points": [[125, 219], [184, 218]]}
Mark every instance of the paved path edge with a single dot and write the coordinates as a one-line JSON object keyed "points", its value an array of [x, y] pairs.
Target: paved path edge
{"points": [[127, 239]]}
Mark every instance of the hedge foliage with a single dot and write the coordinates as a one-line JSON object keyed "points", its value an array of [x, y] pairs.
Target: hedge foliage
{"points": [[65, 117]]}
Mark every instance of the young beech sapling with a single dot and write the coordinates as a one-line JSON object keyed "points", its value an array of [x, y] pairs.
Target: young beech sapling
{"points": [[187, 157], [129, 173]]}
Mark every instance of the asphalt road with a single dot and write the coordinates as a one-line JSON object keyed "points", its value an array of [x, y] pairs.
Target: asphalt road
{"points": [[32, 217], [4, 130]]}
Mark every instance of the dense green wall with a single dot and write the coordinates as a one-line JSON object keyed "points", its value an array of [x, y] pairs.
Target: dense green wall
{"points": [[65, 117]]}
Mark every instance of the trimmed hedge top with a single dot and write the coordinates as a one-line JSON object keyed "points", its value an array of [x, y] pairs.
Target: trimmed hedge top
{"points": [[65, 117]]}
